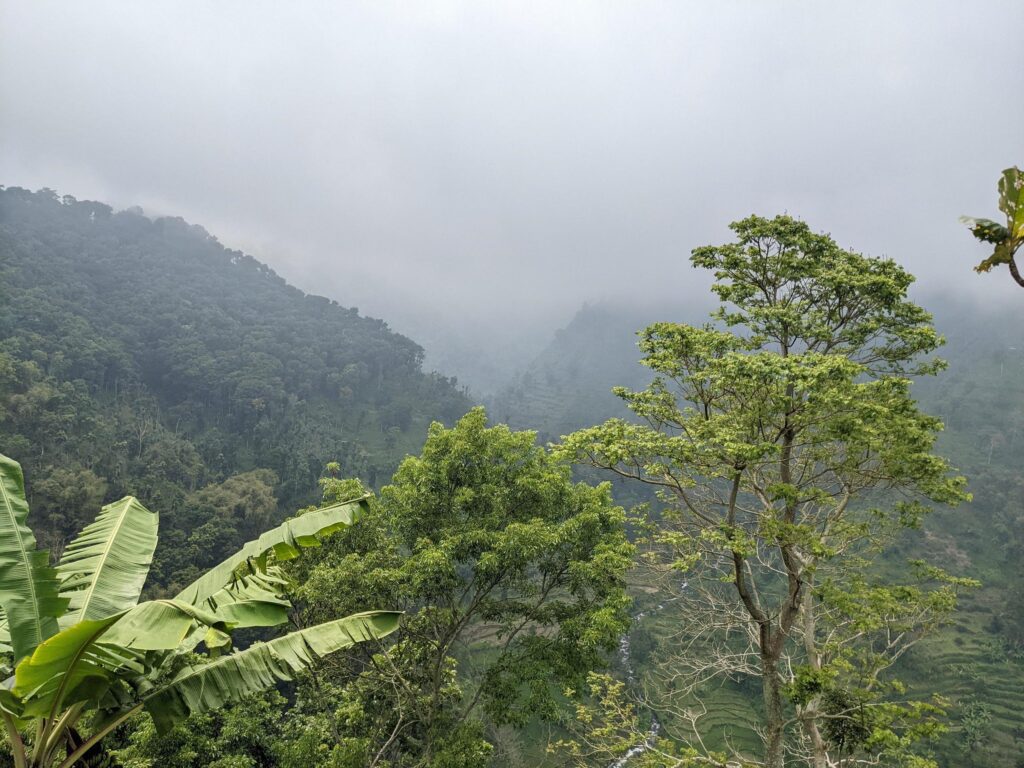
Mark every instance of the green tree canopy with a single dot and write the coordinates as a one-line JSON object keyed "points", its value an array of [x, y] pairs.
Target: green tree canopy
{"points": [[512, 579]]}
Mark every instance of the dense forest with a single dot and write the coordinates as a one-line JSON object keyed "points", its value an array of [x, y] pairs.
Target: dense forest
{"points": [[555, 607], [141, 356]]}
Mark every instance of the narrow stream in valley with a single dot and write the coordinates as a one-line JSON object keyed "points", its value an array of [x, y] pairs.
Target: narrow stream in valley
{"points": [[625, 657]]}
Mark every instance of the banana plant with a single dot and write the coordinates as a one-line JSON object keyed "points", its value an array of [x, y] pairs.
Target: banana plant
{"points": [[1007, 238], [77, 643]]}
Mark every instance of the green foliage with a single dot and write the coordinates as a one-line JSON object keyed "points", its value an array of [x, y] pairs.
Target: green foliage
{"points": [[244, 736], [512, 580], [1007, 238], [103, 571], [29, 587], [211, 685], [110, 656], [979, 399], [98, 401], [217, 518], [799, 290], [607, 727], [975, 726]]}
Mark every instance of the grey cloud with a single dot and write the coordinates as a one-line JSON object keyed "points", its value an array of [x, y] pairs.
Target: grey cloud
{"points": [[480, 163]]}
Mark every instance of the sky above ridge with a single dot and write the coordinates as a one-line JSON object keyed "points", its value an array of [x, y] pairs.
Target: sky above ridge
{"points": [[491, 166]]}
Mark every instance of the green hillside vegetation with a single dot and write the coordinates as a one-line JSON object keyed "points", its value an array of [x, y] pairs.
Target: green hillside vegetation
{"points": [[142, 357], [510, 576], [571, 379]]}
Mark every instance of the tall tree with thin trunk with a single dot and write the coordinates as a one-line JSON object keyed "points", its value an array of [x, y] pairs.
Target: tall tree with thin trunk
{"points": [[771, 434]]}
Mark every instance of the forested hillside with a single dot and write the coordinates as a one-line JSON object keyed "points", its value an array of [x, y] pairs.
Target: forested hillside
{"points": [[141, 356], [569, 383]]}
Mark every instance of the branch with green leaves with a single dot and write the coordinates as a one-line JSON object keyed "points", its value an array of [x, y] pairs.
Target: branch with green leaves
{"points": [[1006, 238]]}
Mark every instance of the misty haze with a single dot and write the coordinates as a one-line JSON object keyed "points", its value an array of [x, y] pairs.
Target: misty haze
{"points": [[511, 384]]}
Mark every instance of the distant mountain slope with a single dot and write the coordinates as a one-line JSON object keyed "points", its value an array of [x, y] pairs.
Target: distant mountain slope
{"points": [[143, 356], [568, 385]]}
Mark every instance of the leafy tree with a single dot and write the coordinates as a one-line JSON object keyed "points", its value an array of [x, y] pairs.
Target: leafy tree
{"points": [[857, 628], [221, 514], [81, 645], [1007, 238], [512, 580], [245, 735], [768, 438], [975, 727]]}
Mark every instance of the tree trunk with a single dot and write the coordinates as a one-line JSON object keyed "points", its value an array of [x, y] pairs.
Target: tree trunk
{"points": [[819, 750], [774, 717]]}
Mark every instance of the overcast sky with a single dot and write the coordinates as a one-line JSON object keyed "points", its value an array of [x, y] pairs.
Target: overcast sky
{"points": [[484, 160]]}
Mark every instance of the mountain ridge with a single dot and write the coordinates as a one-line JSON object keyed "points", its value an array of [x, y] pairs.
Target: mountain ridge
{"points": [[142, 356]]}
